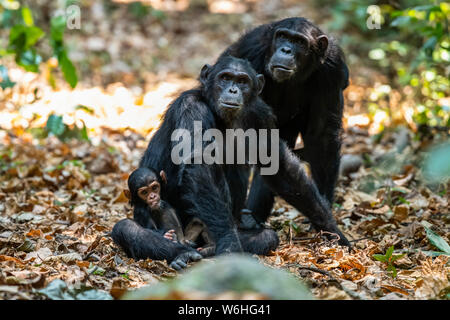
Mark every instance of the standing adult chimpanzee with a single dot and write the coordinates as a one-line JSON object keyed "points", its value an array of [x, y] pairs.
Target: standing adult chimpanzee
{"points": [[215, 193], [305, 75]]}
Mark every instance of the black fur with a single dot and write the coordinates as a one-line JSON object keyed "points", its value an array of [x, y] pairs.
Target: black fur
{"points": [[311, 102], [216, 193], [141, 243], [144, 237]]}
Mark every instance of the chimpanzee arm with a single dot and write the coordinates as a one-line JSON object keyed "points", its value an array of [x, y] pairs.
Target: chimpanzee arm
{"points": [[140, 243], [141, 214], [293, 185], [203, 188]]}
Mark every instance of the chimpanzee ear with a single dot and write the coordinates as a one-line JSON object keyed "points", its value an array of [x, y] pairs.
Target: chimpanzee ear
{"points": [[127, 194], [163, 176], [322, 42], [204, 73], [261, 82]]}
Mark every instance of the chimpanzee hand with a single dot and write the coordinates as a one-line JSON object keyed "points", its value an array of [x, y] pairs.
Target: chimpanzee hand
{"points": [[248, 221], [181, 260], [189, 243], [171, 235]]}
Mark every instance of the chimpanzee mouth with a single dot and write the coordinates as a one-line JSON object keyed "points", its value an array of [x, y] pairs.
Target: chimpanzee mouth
{"points": [[154, 205], [282, 68], [231, 105]]}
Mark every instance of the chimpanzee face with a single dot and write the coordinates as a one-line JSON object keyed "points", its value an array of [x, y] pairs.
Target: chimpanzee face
{"points": [[292, 53], [150, 194], [145, 185], [232, 83]]}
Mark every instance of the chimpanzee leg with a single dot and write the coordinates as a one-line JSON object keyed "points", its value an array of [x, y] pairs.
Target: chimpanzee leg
{"points": [[206, 195], [260, 241], [237, 178], [324, 165], [293, 185], [141, 243], [260, 199], [323, 142]]}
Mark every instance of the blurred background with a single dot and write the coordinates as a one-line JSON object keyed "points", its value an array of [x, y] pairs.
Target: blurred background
{"points": [[83, 85]]}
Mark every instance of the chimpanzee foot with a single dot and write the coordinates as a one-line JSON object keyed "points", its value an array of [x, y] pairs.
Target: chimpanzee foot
{"points": [[343, 241], [248, 221], [181, 260]]}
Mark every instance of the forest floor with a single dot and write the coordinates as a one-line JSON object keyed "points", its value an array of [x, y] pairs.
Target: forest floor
{"points": [[59, 200]]}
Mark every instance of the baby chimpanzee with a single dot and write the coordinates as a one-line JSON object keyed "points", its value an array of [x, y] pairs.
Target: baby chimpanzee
{"points": [[151, 212]]}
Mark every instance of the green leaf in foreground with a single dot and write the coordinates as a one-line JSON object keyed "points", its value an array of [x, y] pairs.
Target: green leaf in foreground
{"points": [[58, 290], [437, 165], [437, 241], [231, 273]]}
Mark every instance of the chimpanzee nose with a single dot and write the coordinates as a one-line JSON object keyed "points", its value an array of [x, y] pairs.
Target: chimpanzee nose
{"points": [[286, 50], [233, 90]]}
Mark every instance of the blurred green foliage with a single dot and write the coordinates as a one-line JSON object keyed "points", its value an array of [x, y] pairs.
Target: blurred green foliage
{"points": [[437, 163], [237, 273], [412, 47], [140, 11], [24, 36], [55, 126]]}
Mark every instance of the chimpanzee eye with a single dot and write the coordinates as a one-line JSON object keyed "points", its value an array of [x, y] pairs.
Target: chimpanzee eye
{"points": [[144, 192], [155, 187], [242, 81], [226, 77]]}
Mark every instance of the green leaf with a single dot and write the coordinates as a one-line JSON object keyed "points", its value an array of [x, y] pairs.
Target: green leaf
{"points": [[23, 37], [295, 227], [397, 256], [437, 241], [428, 47], [29, 60], [389, 252], [27, 16], [437, 167], [38, 133], [84, 108], [57, 27], [55, 125], [434, 253], [393, 269], [68, 69], [6, 82], [380, 257], [401, 21]]}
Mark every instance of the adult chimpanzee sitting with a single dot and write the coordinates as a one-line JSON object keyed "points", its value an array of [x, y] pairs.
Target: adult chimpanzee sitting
{"points": [[215, 193], [305, 75], [155, 222]]}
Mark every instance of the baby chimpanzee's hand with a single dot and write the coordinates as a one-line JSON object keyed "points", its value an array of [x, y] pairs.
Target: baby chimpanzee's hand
{"points": [[171, 235]]}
